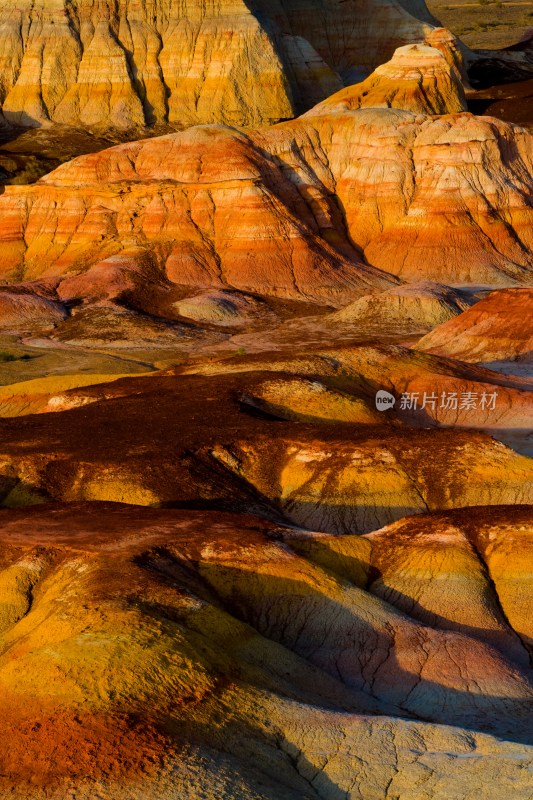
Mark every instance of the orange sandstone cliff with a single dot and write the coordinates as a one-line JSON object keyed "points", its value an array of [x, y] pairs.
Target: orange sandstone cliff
{"points": [[129, 65], [319, 208]]}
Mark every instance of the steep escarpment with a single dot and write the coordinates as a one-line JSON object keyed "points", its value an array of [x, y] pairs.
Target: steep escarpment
{"points": [[126, 65]]}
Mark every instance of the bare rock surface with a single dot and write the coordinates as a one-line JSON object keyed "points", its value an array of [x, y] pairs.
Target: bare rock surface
{"points": [[19, 312], [419, 78], [299, 440], [127, 66], [225, 309], [226, 569], [425, 304], [499, 328], [214, 650], [316, 210]]}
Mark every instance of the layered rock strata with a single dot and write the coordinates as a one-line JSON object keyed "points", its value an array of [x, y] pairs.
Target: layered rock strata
{"points": [[150, 652], [498, 328], [125, 65], [316, 209]]}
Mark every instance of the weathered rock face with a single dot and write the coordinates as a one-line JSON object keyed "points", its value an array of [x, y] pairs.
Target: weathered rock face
{"points": [[224, 309], [22, 311], [338, 487], [127, 65], [150, 652], [423, 305], [498, 328], [439, 391], [291, 211], [484, 560], [418, 78]]}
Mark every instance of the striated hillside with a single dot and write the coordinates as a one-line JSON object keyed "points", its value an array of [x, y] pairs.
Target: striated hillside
{"points": [[126, 65], [170, 654], [498, 328], [266, 485], [427, 78], [317, 209]]}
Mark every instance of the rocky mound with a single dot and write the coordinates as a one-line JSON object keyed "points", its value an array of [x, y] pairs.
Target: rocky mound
{"points": [[22, 311], [116, 327], [417, 305], [498, 328], [215, 650], [227, 309], [418, 78], [309, 401], [292, 211], [354, 487], [427, 390], [188, 63], [486, 580]]}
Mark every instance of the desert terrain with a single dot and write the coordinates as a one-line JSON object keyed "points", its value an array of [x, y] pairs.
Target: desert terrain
{"points": [[266, 400], [489, 24]]}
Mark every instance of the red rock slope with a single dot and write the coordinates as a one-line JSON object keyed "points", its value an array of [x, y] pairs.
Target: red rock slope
{"points": [[498, 328], [294, 210]]}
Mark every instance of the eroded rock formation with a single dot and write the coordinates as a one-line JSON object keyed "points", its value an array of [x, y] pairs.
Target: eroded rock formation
{"points": [[129, 65], [498, 328], [316, 209], [359, 625], [299, 440], [423, 305], [221, 651], [418, 78]]}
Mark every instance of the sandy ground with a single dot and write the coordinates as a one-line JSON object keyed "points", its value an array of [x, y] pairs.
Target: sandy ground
{"points": [[486, 25]]}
